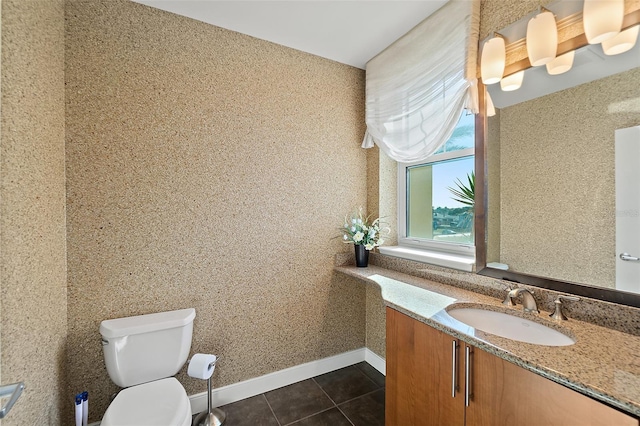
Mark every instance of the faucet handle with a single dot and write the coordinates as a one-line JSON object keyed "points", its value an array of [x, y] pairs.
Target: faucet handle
{"points": [[558, 314], [508, 301]]}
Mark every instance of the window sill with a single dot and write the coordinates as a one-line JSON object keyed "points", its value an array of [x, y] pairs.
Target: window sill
{"points": [[448, 260]]}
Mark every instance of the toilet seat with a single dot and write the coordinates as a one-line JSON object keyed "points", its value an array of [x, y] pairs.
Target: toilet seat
{"points": [[158, 403]]}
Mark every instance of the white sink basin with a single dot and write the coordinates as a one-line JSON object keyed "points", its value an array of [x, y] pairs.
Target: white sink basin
{"points": [[510, 326]]}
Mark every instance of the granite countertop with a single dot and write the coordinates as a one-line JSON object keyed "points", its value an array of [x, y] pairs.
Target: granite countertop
{"points": [[603, 363]]}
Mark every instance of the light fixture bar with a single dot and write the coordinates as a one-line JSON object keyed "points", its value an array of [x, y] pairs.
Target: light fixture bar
{"points": [[563, 24], [574, 43]]}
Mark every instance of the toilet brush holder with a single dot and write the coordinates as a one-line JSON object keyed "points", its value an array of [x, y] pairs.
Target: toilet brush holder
{"points": [[213, 416]]}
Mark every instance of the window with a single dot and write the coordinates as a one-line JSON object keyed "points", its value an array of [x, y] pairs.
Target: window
{"points": [[430, 213]]}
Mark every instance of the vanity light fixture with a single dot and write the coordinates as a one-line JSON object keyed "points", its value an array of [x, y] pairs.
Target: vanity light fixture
{"points": [[602, 19], [622, 42], [542, 38], [493, 59], [561, 64], [512, 82]]}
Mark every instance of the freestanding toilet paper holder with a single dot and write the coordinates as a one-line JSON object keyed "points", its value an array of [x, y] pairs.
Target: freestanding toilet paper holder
{"points": [[213, 416]]}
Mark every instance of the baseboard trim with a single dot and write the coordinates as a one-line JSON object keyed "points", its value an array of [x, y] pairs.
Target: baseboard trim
{"points": [[256, 386], [376, 361]]}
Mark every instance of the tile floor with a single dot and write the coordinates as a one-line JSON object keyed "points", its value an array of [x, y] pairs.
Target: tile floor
{"points": [[351, 396]]}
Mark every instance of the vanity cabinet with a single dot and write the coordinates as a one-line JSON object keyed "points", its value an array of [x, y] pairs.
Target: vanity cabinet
{"points": [[421, 387], [427, 382]]}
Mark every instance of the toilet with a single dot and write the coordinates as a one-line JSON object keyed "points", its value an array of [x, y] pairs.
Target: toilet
{"points": [[142, 353]]}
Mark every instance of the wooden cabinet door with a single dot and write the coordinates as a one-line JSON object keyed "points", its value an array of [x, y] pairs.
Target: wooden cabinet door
{"points": [[419, 375], [505, 394]]}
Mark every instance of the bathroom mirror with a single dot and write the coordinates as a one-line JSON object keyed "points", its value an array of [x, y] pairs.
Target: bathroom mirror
{"points": [[547, 164]]}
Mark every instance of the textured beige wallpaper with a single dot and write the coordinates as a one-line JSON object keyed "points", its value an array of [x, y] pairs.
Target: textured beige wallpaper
{"points": [[388, 190], [208, 169], [382, 202], [32, 209], [376, 321], [557, 182]]}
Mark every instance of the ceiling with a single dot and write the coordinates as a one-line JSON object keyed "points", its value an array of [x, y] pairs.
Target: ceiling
{"points": [[349, 32]]}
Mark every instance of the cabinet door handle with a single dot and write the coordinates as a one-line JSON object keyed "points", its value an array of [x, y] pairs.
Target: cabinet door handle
{"points": [[467, 375], [454, 368]]}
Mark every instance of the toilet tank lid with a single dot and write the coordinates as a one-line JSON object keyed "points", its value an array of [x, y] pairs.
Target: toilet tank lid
{"points": [[146, 323]]}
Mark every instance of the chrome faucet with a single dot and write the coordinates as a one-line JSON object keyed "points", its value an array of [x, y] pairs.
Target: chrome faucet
{"points": [[528, 302]]}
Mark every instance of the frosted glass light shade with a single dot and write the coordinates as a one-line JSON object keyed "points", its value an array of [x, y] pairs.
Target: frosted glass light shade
{"points": [[492, 60], [622, 42], [512, 82], [542, 38], [602, 19], [561, 64]]}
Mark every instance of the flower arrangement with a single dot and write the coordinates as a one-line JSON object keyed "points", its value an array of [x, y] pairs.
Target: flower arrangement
{"points": [[359, 231]]}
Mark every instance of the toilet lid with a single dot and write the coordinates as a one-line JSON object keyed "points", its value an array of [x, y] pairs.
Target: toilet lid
{"points": [[158, 403]]}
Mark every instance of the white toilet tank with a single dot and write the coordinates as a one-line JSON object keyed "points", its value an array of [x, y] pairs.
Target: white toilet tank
{"points": [[149, 347]]}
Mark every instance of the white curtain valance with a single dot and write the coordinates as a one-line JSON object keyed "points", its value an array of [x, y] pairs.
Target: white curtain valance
{"points": [[417, 88]]}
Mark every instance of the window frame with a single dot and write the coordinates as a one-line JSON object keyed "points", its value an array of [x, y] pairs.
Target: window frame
{"points": [[466, 250]]}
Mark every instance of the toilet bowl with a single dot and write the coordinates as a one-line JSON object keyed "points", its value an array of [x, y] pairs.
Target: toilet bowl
{"points": [[141, 354], [161, 402]]}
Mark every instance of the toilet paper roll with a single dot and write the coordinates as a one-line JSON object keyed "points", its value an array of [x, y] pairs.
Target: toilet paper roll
{"points": [[199, 366]]}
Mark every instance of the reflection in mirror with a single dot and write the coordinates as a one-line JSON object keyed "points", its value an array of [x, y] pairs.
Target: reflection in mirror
{"points": [[551, 178]]}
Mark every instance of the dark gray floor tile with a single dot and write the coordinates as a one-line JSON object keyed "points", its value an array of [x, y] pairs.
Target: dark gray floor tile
{"points": [[367, 410], [332, 417], [345, 384], [297, 401], [252, 411], [371, 373]]}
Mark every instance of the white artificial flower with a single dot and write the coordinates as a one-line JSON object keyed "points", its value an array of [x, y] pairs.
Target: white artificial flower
{"points": [[353, 229], [380, 241], [358, 237], [359, 221], [369, 246], [346, 225], [345, 237], [353, 221], [372, 233], [364, 228]]}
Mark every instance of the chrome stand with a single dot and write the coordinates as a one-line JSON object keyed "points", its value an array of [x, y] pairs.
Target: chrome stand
{"points": [[211, 417]]}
